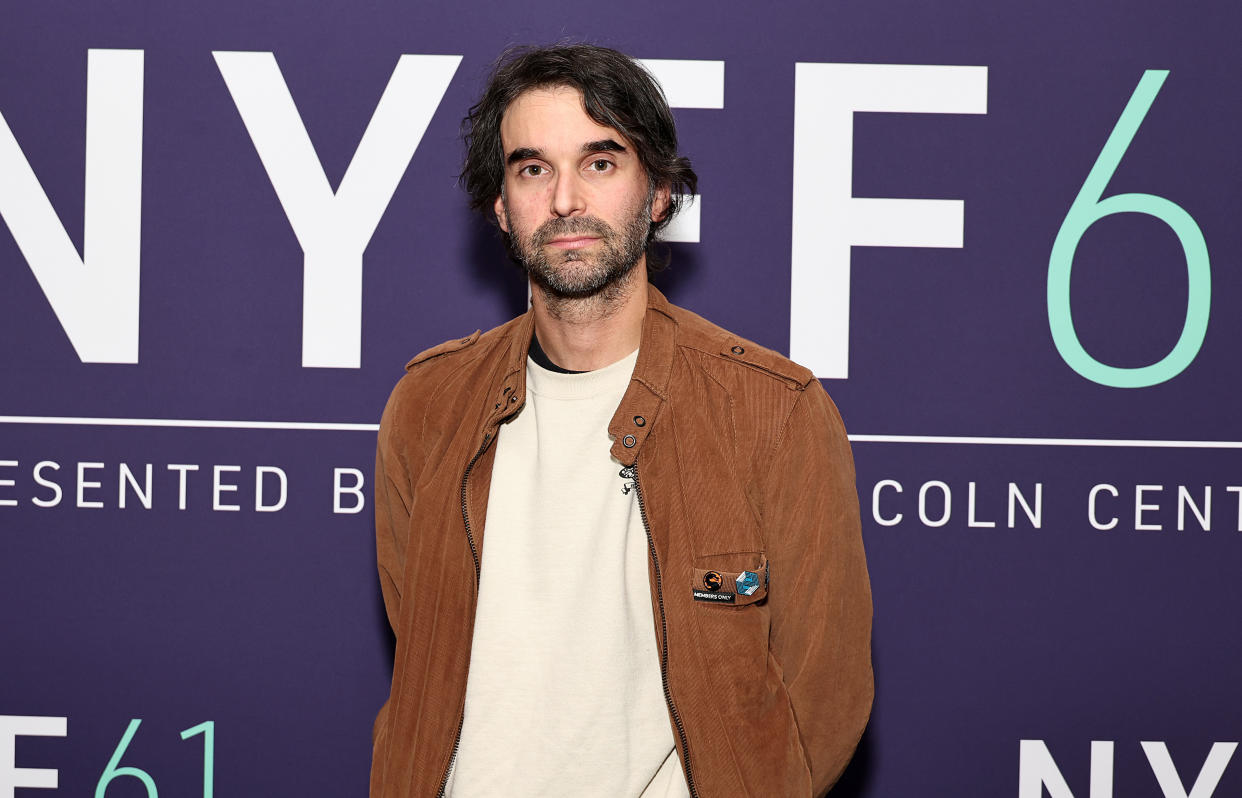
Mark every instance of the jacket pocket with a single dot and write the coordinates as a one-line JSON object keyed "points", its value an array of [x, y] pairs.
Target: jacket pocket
{"points": [[733, 633], [732, 579]]}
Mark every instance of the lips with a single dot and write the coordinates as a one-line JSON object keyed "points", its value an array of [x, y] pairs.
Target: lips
{"points": [[570, 233], [572, 242]]}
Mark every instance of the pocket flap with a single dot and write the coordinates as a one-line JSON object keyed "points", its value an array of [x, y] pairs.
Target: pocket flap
{"points": [[736, 578]]}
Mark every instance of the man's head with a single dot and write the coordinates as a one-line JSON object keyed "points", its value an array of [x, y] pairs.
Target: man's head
{"points": [[574, 151]]}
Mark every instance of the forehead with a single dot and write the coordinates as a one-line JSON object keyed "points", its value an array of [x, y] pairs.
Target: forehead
{"points": [[551, 118]]}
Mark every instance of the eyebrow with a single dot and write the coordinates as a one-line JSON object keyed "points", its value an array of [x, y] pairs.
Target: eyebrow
{"points": [[603, 145], [522, 153]]}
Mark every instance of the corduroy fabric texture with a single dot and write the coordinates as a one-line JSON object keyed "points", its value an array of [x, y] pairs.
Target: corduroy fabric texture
{"points": [[740, 458]]}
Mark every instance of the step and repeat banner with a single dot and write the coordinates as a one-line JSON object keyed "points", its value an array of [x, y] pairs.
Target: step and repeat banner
{"points": [[1006, 236]]}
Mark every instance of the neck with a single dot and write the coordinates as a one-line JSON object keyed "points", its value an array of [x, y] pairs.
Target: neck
{"points": [[592, 332]]}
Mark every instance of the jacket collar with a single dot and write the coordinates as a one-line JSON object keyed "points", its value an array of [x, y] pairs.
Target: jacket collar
{"points": [[508, 395], [640, 406]]}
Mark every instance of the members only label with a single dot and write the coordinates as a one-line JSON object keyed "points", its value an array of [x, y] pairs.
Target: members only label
{"points": [[719, 598]]}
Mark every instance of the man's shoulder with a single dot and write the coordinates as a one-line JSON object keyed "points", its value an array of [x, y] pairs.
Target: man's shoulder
{"points": [[455, 352], [452, 368], [445, 348], [717, 345]]}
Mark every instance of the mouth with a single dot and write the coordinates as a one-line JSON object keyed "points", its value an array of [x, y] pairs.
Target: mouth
{"points": [[572, 242]]}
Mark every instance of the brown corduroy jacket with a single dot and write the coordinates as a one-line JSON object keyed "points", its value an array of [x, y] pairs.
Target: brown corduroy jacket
{"points": [[742, 464]]}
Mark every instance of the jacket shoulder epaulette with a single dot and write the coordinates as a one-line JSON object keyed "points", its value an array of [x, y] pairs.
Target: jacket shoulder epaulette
{"points": [[760, 357], [446, 348], [712, 339]]}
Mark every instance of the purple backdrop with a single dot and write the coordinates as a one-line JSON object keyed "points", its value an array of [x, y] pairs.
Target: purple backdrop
{"points": [[269, 624]]}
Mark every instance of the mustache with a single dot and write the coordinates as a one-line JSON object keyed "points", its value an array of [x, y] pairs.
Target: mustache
{"points": [[574, 225]]}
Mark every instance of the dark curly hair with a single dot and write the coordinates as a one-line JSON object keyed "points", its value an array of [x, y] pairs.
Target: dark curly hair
{"points": [[617, 92]]}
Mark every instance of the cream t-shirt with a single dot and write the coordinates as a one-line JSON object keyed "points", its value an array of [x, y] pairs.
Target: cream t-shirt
{"points": [[564, 696]]}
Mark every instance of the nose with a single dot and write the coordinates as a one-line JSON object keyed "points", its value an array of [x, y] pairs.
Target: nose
{"points": [[567, 195]]}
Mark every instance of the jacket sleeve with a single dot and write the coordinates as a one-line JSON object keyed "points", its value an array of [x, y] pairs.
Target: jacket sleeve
{"points": [[819, 593], [393, 498]]}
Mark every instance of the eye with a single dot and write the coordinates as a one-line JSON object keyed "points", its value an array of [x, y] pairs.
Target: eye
{"points": [[601, 165], [532, 170]]}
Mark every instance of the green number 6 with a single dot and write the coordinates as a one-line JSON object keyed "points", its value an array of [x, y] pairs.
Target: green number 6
{"points": [[112, 771], [1087, 209]]}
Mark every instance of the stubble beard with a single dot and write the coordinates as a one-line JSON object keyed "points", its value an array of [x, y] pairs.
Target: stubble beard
{"points": [[567, 277]]}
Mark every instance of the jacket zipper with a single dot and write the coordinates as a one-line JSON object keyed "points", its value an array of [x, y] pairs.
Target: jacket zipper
{"points": [[668, 695], [474, 552]]}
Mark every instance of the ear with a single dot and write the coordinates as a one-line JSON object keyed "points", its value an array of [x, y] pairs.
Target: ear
{"points": [[499, 208], [660, 203]]}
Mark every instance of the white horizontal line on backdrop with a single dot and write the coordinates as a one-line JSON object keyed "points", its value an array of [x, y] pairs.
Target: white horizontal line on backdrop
{"points": [[344, 427]]}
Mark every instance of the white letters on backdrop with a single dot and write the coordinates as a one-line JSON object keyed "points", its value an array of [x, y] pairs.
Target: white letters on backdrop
{"points": [[828, 219], [11, 776], [688, 84], [1037, 770], [334, 228], [95, 296]]}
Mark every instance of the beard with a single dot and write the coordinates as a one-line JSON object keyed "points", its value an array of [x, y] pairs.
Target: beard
{"points": [[574, 273]]}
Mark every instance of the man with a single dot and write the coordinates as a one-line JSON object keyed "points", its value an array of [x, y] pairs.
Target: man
{"points": [[618, 545]]}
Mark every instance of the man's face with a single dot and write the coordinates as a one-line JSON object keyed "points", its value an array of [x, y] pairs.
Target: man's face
{"points": [[576, 200]]}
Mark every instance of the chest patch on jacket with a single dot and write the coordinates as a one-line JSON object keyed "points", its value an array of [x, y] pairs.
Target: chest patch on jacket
{"points": [[737, 578]]}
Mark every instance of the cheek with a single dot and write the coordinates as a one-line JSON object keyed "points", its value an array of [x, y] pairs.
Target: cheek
{"points": [[638, 198], [528, 212], [617, 208]]}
